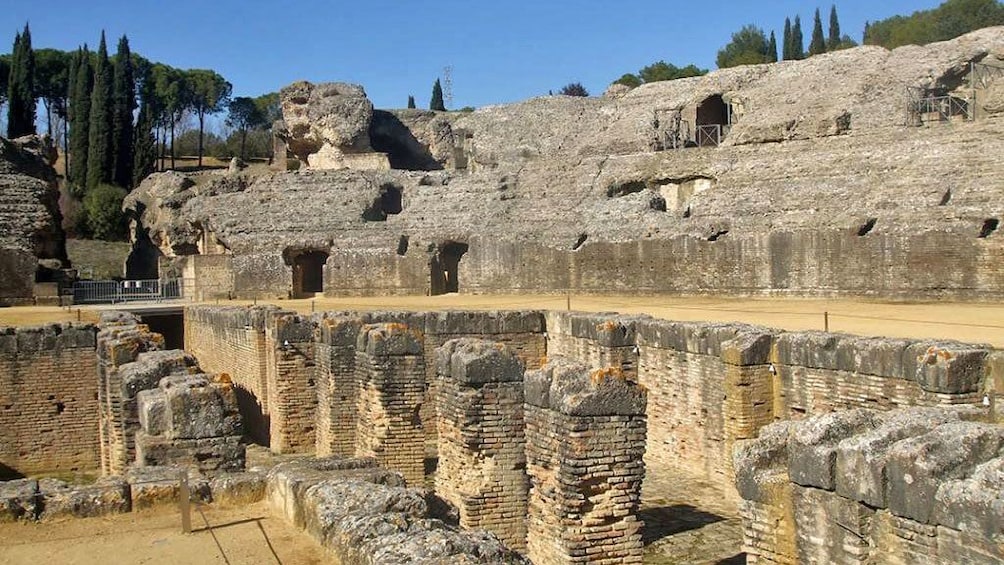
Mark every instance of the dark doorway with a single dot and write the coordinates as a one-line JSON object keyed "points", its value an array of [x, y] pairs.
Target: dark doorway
{"points": [[169, 325], [712, 121], [446, 266], [308, 273]]}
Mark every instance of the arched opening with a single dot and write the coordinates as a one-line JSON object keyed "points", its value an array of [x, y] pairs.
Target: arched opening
{"points": [[445, 266], [388, 203], [712, 121], [308, 273]]}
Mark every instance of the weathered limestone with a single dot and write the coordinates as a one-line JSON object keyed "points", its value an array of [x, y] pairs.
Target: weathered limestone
{"points": [[390, 369], [482, 459], [192, 421], [585, 434], [908, 486]]}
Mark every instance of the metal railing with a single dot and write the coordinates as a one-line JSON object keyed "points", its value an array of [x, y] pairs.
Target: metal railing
{"points": [[710, 135], [943, 108], [113, 292]]}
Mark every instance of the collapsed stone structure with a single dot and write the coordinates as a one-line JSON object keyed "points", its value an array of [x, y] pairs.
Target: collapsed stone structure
{"points": [[817, 183], [549, 461], [32, 242]]}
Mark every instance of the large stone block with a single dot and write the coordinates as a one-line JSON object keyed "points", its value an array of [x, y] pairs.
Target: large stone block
{"points": [[572, 389], [198, 408], [474, 362], [812, 449], [19, 500], [107, 495], [390, 339], [946, 368], [762, 464]]}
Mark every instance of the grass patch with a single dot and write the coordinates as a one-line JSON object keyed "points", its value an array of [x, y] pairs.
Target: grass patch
{"points": [[105, 258]]}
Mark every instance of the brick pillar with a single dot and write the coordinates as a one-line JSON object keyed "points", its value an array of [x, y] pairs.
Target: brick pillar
{"points": [[337, 388], [390, 368], [585, 439], [291, 383], [120, 341], [482, 460]]}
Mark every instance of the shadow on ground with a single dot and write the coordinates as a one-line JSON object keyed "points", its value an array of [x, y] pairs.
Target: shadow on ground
{"points": [[666, 521]]}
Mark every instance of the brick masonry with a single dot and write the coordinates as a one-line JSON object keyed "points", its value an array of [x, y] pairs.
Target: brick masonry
{"points": [[482, 459], [291, 382]]}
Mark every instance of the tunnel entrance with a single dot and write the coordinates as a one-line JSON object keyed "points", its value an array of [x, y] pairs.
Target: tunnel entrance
{"points": [[171, 325], [713, 120], [308, 273], [446, 266]]}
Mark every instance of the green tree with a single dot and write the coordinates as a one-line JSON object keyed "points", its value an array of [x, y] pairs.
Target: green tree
{"points": [[749, 46], [210, 93], [833, 41], [630, 80], [772, 48], [21, 87], [797, 40], [80, 121], [818, 43], [4, 77], [52, 72], [574, 89], [411, 102], [436, 103], [244, 116], [123, 106], [786, 47], [948, 21], [100, 143], [661, 70], [103, 210], [145, 136], [172, 92]]}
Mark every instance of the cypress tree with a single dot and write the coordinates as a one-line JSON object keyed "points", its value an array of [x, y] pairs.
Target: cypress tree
{"points": [[797, 40], [437, 98], [772, 48], [123, 104], [411, 101], [145, 151], [21, 87], [80, 112], [833, 43], [818, 43], [786, 48], [100, 143]]}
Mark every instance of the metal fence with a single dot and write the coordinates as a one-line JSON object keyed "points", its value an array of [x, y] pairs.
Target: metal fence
{"points": [[710, 135], [112, 292], [941, 108]]}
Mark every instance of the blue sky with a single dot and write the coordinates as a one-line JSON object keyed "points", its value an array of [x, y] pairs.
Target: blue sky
{"points": [[499, 51]]}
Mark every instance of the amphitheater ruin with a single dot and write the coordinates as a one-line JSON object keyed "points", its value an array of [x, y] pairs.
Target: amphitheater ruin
{"points": [[548, 437]]}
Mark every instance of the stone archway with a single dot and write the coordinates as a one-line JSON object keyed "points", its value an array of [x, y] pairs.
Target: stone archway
{"points": [[308, 273], [445, 266]]}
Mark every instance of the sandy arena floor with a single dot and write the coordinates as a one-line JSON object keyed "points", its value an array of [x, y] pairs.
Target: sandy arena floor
{"points": [[964, 321]]}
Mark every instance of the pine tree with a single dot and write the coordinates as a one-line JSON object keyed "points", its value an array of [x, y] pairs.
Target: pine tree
{"points": [[80, 121], [818, 43], [21, 87], [833, 42], [437, 98], [123, 104], [786, 48], [100, 142], [772, 48], [145, 150], [411, 102], [797, 40]]}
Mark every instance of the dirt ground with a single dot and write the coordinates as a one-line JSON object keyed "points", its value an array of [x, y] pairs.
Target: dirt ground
{"points": [[245, 536], [964, 321]]}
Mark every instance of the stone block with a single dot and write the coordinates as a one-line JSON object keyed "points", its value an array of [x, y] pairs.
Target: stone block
{"points": [[872, 356], [946, 368], [861, 459], [198, 408], [816, 350], [574, 390], [291, 327], [238, 488], [748, 348], [918, 466], [223, 453], [107, 495], [812, 449], [391, 339], [975, 504], [157, 486], [19, 500], [474, 362], [762, 464], [338, 331], [152, 411], [150, 367]]}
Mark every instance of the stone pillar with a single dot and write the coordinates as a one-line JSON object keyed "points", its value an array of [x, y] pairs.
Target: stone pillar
{"points": [[337, 388], [585, 436], [482, 460], [291, 383], [390, 368]]}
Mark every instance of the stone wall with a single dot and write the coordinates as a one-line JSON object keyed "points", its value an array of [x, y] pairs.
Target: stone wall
{"points": [[585, 442], [291, 382], [919, 485], [711, 385], [17, 276], [48, 399], [231, 341], [337, 387], [207, 277], [482, 458]]}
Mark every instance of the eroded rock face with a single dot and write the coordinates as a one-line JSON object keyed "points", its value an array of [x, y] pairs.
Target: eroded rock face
{"points": [[324, 121]]}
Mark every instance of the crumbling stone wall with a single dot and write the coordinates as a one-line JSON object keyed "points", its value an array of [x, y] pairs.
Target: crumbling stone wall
{"points": [[337, 387], [48, 404], [390, 369], [482, 459], [231, 341], [917, 485], [291, 382], [585, 440], [192, 421]]}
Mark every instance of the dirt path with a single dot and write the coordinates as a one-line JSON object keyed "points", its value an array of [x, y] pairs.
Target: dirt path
{"points": [[963, 321], [247, 535]]}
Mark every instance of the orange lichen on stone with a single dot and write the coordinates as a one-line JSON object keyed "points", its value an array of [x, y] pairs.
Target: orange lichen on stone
{"points": [[223, 378], [599, 375]]}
